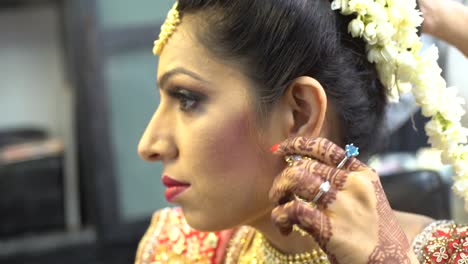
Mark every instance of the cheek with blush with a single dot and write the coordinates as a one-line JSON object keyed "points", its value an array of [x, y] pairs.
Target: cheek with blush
{"points": [[233, 143], [228, 174]]}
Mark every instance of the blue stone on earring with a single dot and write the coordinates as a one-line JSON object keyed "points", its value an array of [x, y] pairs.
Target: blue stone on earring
{"points": [[351, 151]]}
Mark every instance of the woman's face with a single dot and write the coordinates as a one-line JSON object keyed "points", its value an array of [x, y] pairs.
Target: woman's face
{"points": [[205, 133]]}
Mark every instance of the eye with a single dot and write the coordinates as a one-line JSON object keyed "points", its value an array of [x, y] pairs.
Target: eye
{"points": [[187, 104], [188, 100]]}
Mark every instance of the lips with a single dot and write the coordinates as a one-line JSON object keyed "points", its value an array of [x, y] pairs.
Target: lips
{"points": [[174, 187], [169, 182]]}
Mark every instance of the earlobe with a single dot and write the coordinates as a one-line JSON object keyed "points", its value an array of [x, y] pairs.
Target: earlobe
{"points": [[307, 106]]}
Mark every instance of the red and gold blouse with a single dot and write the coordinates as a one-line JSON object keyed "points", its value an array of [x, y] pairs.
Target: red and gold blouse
{"points": [[170, 240]]}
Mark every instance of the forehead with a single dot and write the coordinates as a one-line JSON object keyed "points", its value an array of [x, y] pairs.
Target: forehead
{"points": [[184, 50]]}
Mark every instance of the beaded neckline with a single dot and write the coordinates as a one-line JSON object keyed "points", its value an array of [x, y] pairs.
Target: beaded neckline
{"points": [[272, 255], [250, 246]]}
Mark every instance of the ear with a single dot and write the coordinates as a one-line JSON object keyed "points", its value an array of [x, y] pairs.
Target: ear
{"points": [[306, 106]]}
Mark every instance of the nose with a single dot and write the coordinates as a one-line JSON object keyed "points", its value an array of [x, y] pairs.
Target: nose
{"points": [[157, 142]]}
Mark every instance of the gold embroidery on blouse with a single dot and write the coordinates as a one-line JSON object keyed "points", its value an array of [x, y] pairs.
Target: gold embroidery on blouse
{"points": [[184, 245]]}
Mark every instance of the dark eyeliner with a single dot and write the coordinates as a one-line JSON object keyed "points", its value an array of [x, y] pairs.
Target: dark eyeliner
{"points": [[179, 92], [184, 96]]}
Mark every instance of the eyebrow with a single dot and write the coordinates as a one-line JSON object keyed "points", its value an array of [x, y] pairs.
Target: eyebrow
{"points": [[179, 70]]}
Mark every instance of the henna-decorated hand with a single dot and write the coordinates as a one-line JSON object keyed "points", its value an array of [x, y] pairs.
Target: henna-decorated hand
{"points": [[353, 222]]}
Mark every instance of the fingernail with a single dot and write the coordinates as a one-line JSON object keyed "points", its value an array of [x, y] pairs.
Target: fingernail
{"points": [[275, 147]]}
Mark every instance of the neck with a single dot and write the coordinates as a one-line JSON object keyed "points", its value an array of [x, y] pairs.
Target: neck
{"points": [[294, 243]]}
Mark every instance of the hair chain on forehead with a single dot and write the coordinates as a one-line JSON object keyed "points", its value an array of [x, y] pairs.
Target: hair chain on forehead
{"points": [[167, 29]]}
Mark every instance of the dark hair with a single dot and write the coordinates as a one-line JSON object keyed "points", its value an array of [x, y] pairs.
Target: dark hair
{"points": [[280, 40]]}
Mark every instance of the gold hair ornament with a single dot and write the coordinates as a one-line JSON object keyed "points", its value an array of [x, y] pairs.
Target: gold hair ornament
{"points": [[167, 29]]}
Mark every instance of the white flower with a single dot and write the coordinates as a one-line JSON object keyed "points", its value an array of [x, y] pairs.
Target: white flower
{"points": [[356, 28], [412, 18], [456, 134], [387, 76], [429, 105], [359, 6], [462, 153], [427, 92], [450, 106], [441, 254], [377, 12], [460, 164], [446, 157], [404, 87], [408, 38], [431, 55], [403, 15], [385, 32], [394, 15], [374, 55], [389, 52], [406, 66], [336, 5], [370, 33], [343, 5], [461, 185], [434, 131]]}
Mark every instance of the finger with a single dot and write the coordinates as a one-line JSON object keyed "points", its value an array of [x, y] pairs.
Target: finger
{"points": [[281, 220], [353, 164], [320, 149], [300, 180], [309, 219], [317, 148], [317, 224], [336, 177], [285, 216], [305, 179]]}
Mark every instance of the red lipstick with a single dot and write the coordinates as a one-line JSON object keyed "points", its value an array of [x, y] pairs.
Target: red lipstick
{"points": [[174, 187]]}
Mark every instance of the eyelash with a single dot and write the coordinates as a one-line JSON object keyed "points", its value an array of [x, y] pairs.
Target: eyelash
{"points": [[188, 101]]}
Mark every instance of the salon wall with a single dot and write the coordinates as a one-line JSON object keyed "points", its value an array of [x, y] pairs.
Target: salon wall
{"points": [[33, 91]]}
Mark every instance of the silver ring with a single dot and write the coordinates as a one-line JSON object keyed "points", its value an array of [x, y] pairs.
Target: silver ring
{"points": [[351, 151], [324, 188]]}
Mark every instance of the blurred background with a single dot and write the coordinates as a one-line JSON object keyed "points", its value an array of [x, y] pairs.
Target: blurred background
{"points": [[77, 88]]}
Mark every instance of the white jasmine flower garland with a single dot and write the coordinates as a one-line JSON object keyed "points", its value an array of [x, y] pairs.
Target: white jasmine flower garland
{"points": [[389, 28]]}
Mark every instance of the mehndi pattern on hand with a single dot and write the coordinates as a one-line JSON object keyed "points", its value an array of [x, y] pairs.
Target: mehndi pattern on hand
{"points": [[355, 202]]}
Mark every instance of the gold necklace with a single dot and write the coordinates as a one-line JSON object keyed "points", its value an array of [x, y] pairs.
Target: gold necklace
{"points": [[262, 252]]}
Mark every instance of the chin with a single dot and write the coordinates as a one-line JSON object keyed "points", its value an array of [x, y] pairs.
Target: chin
{"points": [[206, 223]]}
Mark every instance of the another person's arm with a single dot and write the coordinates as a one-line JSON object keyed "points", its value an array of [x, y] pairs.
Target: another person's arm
{"points": [[447, 20]]}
